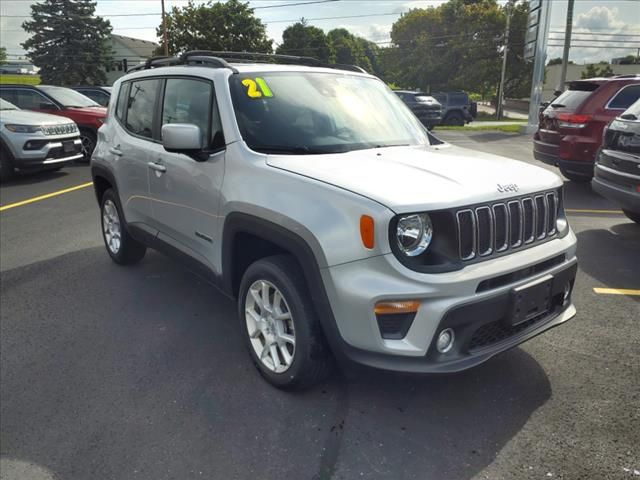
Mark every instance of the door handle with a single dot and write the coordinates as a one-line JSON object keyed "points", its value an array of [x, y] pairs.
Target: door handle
{"points": [[157, 167], [115, 151]]}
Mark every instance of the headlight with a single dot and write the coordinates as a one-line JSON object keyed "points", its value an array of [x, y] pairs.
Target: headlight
{"points": [[414, 234], [22, 128]]}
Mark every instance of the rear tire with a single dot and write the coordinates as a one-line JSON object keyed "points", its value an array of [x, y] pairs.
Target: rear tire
{"points": [[632, 216], [7, 172], [121, 247], [285, 327], [454, 119], [575, 177]]}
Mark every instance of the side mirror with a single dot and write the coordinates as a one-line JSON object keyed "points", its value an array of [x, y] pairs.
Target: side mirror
{"points": [[182, 138]]}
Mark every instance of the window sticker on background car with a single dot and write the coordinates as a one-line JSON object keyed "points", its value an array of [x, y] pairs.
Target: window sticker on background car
{"points": [[257, 88]]}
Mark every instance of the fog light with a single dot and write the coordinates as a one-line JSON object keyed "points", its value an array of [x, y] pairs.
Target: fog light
{"points": [[567, 292], [445, 340]]}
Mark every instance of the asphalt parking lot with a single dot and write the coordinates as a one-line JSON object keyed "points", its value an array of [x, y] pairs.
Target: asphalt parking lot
{"points": [[140, 373]]}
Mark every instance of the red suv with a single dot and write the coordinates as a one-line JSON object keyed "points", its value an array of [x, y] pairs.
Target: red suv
{"points": [[570, 130], [87, 114]]}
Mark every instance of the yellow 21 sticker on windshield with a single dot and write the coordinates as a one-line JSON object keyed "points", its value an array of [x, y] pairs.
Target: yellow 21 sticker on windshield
{"points": [[257, 88]]}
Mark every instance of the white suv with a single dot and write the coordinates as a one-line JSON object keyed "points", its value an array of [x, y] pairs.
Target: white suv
{"points": [[314, 196]]}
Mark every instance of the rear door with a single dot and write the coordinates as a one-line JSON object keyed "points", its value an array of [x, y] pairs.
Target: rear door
{"points": [[185, 192], [131, 143]]}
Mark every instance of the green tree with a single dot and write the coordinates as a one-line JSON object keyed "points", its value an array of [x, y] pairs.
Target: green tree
{"points": [[3, 55], [558, 61], [457, 45], [452, 46], [593, 71], [230, 26], [306, 41], [629, 60], [350, 49], [68, 43], [519, 72]]}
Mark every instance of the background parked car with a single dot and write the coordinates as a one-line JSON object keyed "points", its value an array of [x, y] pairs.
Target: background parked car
{"points": [[570, 128], [35, 141], [426, 108], [86, 113], [457, 108], [617, 172], [100, 95]]}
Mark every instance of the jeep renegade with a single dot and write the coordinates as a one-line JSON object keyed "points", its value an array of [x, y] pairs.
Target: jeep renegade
{"points": [[311, 194]]}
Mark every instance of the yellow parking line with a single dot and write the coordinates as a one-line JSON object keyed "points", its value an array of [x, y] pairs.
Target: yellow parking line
{"points": [[578, 210], [44, 197], [616, 291]]}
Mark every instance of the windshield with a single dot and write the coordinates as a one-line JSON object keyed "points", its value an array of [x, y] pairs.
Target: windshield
{"points": [[315, 112], [4, 105], [68, 98]]}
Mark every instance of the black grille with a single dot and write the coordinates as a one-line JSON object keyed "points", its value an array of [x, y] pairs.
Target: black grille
{"points": [[495, 228], [495, 332]]}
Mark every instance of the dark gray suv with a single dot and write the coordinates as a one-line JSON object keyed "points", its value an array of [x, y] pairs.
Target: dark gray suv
{"points": [[457, 108]]}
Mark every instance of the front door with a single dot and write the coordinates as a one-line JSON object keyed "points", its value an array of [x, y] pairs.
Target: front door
{"points": [[185, 191]]}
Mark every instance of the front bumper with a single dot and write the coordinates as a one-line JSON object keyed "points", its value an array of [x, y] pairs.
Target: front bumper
{"points": [[51, 154], [454, 299]]}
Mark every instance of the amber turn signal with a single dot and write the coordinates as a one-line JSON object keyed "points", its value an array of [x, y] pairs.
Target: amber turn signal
{"points": [[367, 231], [386, 308]]}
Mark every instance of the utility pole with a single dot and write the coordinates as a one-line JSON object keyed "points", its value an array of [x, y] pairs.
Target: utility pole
{"points": [[567, 44], [164, 31], [505, 51]]}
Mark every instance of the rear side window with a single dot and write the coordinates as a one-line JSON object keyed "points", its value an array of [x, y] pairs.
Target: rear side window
{"points": [[634, 109], [458, 99], [625, 97], [140, 107], [121, 106], [187, 100]]}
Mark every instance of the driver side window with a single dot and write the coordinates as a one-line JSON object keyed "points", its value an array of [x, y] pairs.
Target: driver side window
{"points": [[187, 100]]}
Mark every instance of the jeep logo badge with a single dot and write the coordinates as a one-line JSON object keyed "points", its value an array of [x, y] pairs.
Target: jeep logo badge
{"points": [[508, 187]]}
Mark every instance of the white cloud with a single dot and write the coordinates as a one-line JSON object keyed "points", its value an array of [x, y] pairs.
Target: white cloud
{"points": [[600, 18], [11, 33]]}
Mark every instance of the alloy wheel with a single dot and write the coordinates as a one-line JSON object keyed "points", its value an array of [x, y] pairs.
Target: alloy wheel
{"points": [[111, 227], [270, 326]]}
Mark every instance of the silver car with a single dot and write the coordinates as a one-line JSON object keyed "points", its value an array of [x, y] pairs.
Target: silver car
{"points": [[31, 141], [313, 196]]}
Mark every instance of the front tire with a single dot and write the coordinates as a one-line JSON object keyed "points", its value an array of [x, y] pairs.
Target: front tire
{"points": [[280, 326], [121, 247], [7, 172], [88, 139], [632, 215]]}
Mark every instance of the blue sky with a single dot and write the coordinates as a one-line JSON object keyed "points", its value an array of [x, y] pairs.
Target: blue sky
{"points": [[612, 20]]}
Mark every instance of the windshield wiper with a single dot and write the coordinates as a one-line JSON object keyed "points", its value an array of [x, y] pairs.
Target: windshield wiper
{"points": [[291, 149], [393, 145], [628, 116], [558, 105]]}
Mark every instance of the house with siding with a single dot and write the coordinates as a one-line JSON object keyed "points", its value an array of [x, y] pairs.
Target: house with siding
{"points": [[127, 52]]}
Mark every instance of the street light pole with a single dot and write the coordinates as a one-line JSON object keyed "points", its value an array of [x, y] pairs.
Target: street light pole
{"points": [[567, 44], [164, 31], [504, 65]]}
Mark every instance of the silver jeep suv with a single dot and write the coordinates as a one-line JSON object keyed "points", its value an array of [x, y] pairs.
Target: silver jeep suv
{"points": [[312, 195]]}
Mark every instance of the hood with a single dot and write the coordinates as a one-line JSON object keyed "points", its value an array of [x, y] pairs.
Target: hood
{"points": [[98, 112], [408, 179], [26, 117]]}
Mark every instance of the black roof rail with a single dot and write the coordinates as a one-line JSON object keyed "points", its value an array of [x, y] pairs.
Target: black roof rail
{"points": [[220, 59]]}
